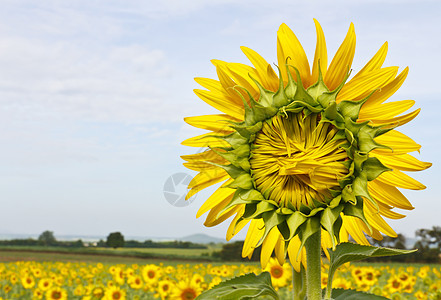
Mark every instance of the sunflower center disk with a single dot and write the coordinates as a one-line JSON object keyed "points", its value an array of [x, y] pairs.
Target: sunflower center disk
{"points": [[296, 158]]}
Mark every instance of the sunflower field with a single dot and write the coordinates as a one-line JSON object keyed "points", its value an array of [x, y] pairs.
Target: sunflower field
{"points": [[90, 281]]}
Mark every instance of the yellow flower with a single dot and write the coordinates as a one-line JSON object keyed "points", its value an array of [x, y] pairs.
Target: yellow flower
{"points": [[164, 288], [303, 151], [28, 282], [114, 293], [56, 293], [151, 273], [279, 274], [185, 290], [135, 282]]}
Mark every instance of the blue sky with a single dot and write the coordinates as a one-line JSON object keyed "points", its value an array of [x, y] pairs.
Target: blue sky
{"points": [[93, 96]]}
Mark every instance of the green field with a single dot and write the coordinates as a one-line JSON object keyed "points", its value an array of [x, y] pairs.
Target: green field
{"points": [[119, 255]]}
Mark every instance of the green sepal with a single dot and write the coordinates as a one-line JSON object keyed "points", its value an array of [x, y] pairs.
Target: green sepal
{"points": [[261, 208], [350, 108], [373, 168], [359, 159], [244, 197], [360, 188], [326, 98], [231, 169], [317, 89], [301, 94], [235, 139], [285, 211], [297, 104], [248, 131], [328, 219], [271, 220], [357, 212], [249, 211], [354, 127], [348, 194], [366, 140], [266, 97], [237, 157], [279, 98], [261, 112], [307, 229], [243, 181], [293, 222], [291, 87]]}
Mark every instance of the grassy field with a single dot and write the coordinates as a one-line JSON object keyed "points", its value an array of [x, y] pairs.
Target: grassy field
{"points": [[105, 255]]}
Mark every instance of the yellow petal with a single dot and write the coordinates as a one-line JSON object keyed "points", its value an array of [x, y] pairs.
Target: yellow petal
{"points": [[321, 54], [205, 140], [279, 250], [360, 87], [353, 228], [289, 50], [376, 221], [268, 246], [266, 74], [401, 180], [385, 111], [206, 179], [399, 142], [375, 63], [217, 123], [222, 103], [293, 249], [393, 122], [402, 162], [386, 211], [387, 91], [254, 234], [217, 197], [208, 155], [214, 218], [241, 74], [342, 61], [234, 228], [388, 194]]}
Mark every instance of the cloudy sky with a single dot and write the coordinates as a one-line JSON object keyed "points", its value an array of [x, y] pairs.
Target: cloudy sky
{"points": [[93, 93]]}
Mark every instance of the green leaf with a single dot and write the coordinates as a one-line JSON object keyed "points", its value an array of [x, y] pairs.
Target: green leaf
{"points": [[346, 252], [341, 294], [244, 287]]}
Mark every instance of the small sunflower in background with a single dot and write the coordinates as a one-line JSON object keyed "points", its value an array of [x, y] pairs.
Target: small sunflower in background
{"points": [[56, 293], [302, 149]]}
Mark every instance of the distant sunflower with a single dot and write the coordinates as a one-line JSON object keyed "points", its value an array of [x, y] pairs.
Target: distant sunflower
{"points": [[280, 275], [56, 293], [185, 290], [303, 151]]}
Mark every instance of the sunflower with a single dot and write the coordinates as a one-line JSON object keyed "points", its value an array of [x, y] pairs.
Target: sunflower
{"points": [[300, 151], [114, 293], [28, 282], [56, 293], [185, 290], [279, 274]]}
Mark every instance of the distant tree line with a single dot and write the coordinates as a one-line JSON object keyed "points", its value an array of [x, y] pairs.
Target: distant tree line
{"points": [[114, 240], [47, 238]]}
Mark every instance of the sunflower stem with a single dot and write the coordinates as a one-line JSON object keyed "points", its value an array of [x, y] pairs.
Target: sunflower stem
{"points": [[313, 270], [298, 279]]}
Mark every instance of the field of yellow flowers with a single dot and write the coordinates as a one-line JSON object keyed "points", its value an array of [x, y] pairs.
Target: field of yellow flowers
{"points": [[90, 281]]}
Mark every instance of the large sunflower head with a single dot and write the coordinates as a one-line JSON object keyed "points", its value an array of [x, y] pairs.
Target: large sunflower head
{"points": [[300, 151]]}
